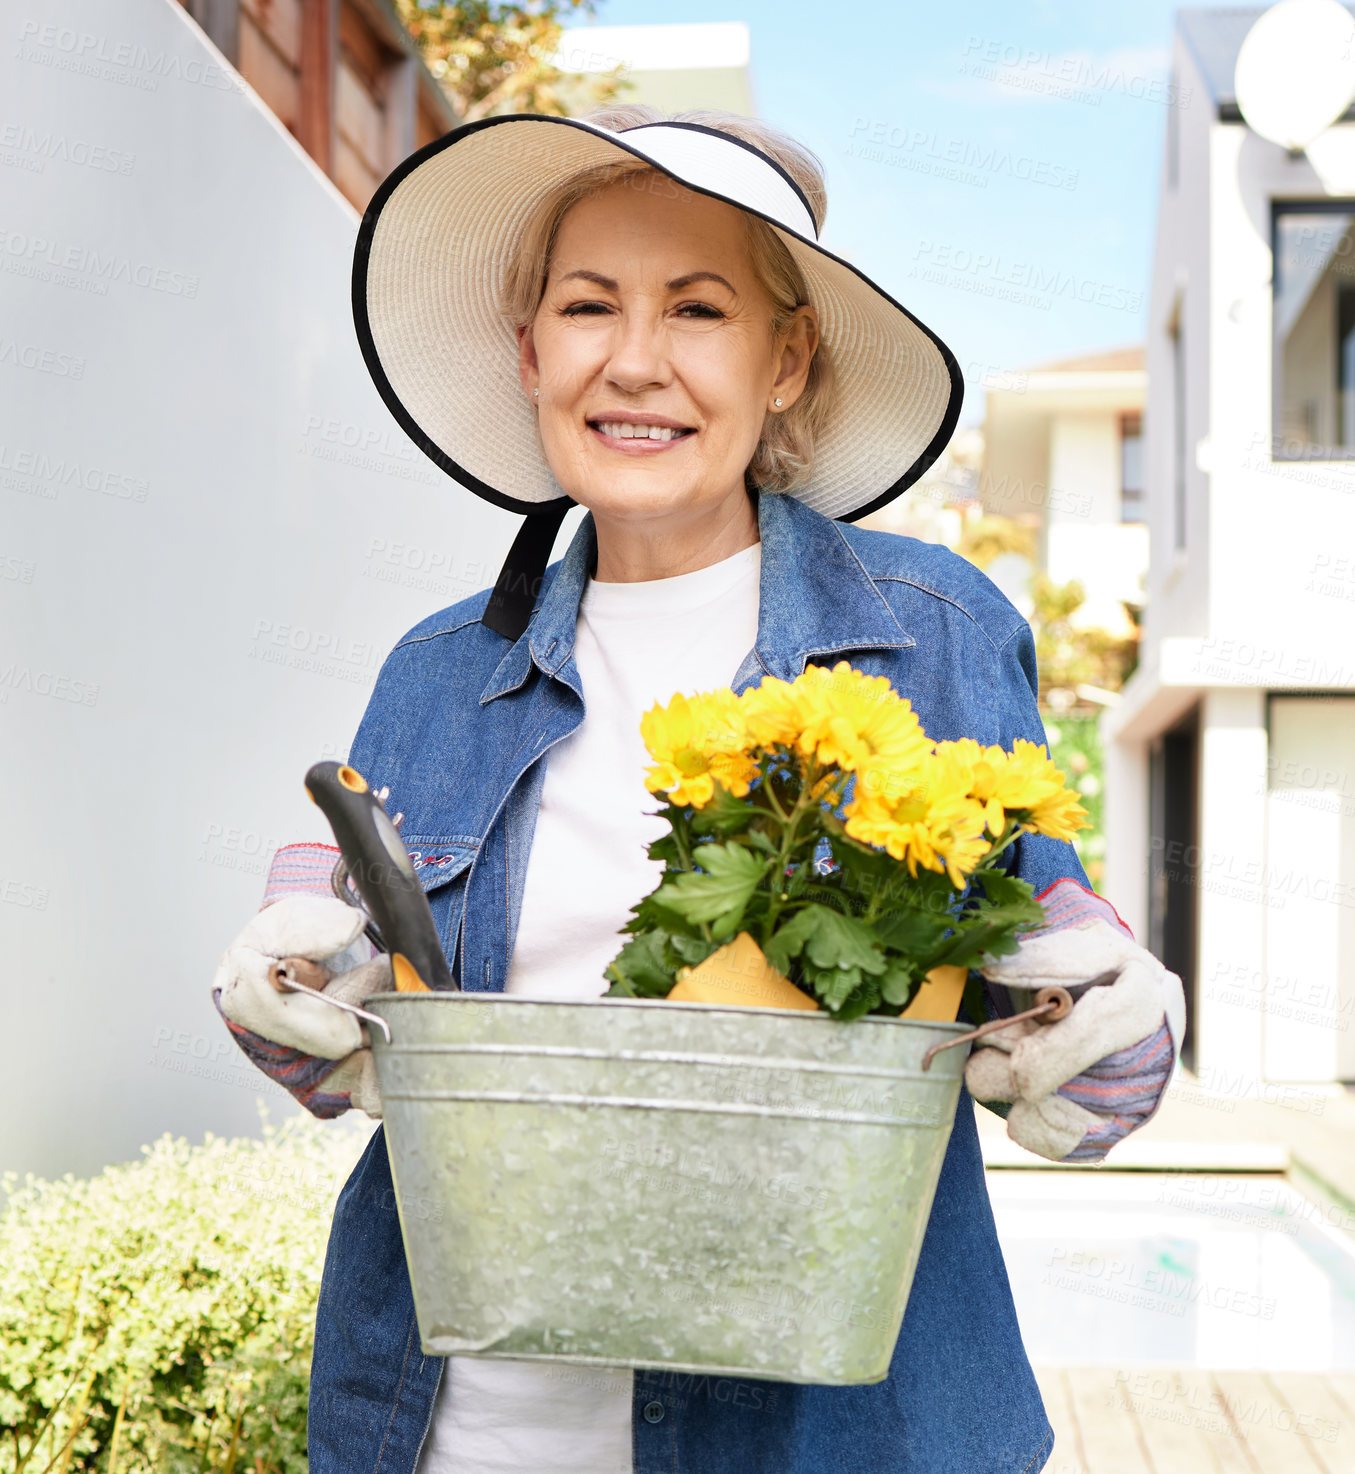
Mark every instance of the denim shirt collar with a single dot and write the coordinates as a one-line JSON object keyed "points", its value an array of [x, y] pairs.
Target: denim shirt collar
{"points": [[815, 598]]}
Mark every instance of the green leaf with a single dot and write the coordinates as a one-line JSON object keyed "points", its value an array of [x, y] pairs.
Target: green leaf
{"points": [[665, 848], [991, 926], [863, 859], [719, 892], [724, 815], [994, 932], [863, 1001], [831, 895], [973, 940], [833, 985], [690, 950], [828, 939], [648, 914], [641, 968], [913, 932], [761, 841], [1003, 889], [899, 982]]}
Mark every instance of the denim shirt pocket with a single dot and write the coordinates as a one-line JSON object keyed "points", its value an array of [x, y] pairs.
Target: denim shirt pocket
{"points": [[441, 866]]}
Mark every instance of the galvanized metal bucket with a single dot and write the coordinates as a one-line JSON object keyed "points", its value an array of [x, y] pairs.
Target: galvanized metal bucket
{"points": [[652, 1184]]}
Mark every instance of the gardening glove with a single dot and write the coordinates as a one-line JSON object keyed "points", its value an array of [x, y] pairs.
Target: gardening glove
{"points": [[324, 930], [1081, 1083]]}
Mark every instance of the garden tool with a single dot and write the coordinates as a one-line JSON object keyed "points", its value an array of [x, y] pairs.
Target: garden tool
{"points": [[374, 862]]}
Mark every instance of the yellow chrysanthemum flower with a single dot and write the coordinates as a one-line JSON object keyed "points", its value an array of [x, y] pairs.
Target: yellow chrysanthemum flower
{"points": [[1010, 784], [773, 713], [696, 741], [1059, 816], [858, 722], [935, 824], [1029, 776]]}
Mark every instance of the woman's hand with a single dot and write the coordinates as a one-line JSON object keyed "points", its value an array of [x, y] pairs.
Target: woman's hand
{"points": [[1037, 1067], [321, 929]]}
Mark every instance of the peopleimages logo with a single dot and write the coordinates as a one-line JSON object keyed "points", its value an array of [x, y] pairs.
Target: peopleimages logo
{"points": [[925, 151], [86, 53], [1072, 76], [42, 146], [44, 260], [993, 275], [24, 678], [321, 652], [41, 360], [39, 474]]}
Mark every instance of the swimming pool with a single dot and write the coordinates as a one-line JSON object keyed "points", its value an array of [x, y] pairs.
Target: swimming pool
{"points": [[1215, 1271]]}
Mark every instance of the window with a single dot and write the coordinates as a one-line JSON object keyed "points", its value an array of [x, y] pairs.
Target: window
{"points": [[362, 86], [1132, 507], [1178, 386], [1174, 860], [1314, 327]]}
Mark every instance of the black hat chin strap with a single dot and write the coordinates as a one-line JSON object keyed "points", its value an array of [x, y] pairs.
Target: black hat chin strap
{"points": [[519, 580]]}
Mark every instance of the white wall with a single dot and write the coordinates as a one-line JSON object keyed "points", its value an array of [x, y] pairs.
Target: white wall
{"points": [[1310, 882], [1178, 585], [1177, 579], [1231, 886], [213, 532], [1275, 527], [1260, 599], [1084, 464]]}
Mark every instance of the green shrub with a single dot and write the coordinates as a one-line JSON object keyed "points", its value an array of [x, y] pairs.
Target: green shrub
{"points": [[1075, 745], [161, 1315]]}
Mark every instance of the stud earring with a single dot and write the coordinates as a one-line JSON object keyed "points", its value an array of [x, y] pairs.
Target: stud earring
{"points": [[777, 403], [536, 392]]}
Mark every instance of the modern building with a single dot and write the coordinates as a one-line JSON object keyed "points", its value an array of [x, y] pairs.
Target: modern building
{"points": [[1063, 451], [672, 67], [1231, 757], [213, 526], [343, 76], [346, 80]]}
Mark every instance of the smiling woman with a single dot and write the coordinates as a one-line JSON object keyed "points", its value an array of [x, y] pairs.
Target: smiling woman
{"points": [[784, 453], [636, 315], [654, 373]]}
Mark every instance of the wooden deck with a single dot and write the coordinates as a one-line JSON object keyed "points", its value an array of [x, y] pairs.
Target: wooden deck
{"points": [[1189, 1421]]}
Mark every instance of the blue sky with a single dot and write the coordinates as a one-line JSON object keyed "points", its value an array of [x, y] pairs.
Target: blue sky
{"points": [[1016, 222]]}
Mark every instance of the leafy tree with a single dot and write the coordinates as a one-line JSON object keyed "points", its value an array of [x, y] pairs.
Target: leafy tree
{"points": [[492, 57], [1070, 654], [985, 538]]}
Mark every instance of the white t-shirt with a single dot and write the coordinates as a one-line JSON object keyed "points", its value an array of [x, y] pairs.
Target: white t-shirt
{"points": [[636, 643]]}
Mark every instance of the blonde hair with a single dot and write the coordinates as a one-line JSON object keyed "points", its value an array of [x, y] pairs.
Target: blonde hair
{"points": [[784, 458]]}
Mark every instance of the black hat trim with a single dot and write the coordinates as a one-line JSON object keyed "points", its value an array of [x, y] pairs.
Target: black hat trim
{"points": [[519, 581]]}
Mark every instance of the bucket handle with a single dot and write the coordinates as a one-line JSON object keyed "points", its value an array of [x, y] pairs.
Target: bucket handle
{"points": [[301, 976], [1051, 1004]]}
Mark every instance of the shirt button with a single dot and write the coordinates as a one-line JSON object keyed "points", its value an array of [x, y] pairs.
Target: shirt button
{"points": [[653, 1412]]}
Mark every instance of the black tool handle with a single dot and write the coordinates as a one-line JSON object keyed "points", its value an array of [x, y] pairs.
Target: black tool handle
{"points": [[379, 866]]}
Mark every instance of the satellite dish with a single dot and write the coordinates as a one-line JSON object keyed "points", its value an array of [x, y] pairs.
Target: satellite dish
{"points": [[1296, 71]]}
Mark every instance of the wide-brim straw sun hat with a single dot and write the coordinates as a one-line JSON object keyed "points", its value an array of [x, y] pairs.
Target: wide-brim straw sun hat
{"points": [[429, 270]]}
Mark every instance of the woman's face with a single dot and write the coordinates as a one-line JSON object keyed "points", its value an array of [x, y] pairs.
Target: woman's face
{"points": [[652, 353]]}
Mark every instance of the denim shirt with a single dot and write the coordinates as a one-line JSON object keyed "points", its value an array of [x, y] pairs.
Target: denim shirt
{"points": [[457, 727]]}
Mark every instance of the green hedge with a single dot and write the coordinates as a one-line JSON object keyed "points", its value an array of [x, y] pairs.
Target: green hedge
{"points": [[160, 1316]]}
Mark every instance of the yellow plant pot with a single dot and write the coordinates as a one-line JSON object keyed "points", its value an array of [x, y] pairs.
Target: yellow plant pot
{"points": [[739, 974], [938, 999]]}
